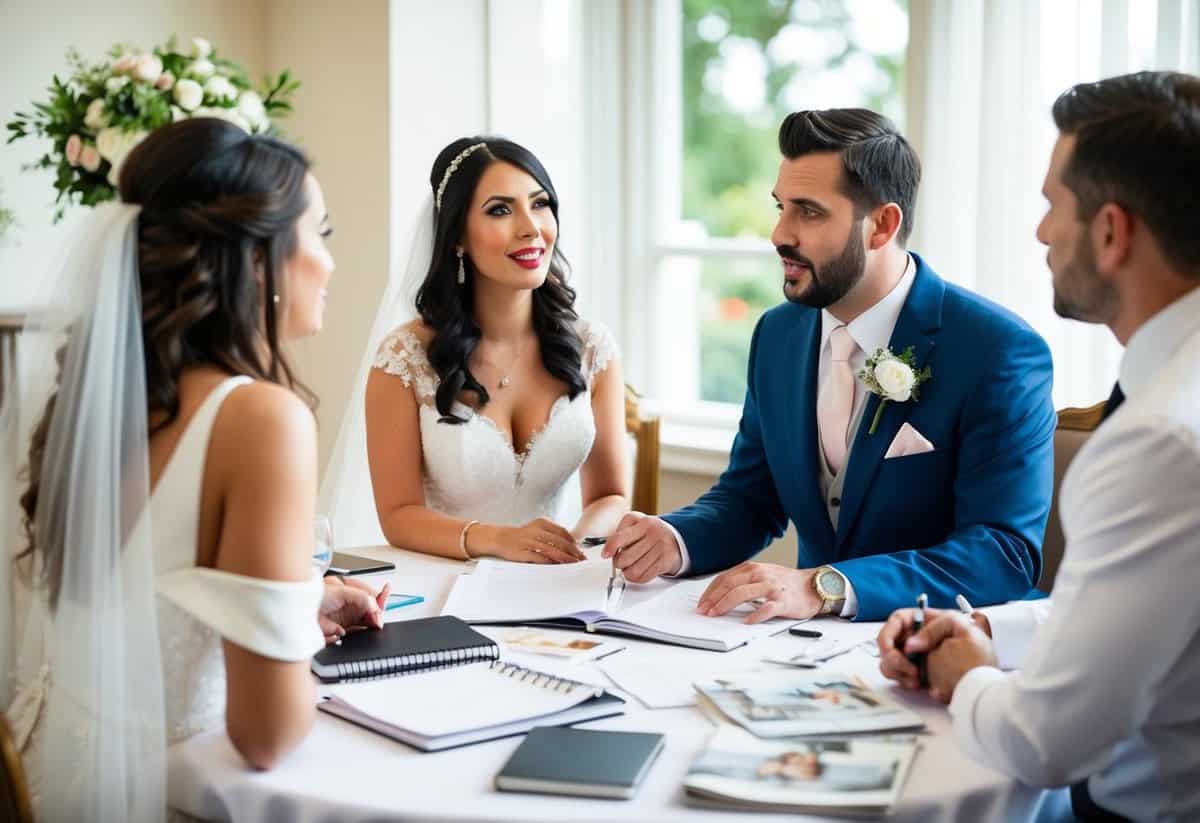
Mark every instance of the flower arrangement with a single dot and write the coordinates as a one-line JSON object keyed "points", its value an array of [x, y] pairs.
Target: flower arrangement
{"points": [[893, 377], [103, 110]]}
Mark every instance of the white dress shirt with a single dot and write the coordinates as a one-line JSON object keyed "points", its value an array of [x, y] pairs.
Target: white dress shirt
{"points": [[1109, 685], [871, 330]]}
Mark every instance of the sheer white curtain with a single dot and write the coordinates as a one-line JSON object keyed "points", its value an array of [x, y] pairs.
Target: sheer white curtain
{"points": [[983, 74]]}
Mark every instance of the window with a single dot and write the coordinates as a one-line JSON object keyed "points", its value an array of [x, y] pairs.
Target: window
{"points": [[743, 67]]}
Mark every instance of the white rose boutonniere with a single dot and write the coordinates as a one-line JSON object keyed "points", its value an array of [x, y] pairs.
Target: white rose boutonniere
{"points": [[893, 378]]}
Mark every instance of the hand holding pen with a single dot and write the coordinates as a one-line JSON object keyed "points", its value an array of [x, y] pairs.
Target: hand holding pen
{"points": [[616, 578]]}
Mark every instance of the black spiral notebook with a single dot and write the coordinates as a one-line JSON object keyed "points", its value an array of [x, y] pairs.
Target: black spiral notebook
{"points": [[403, 647]]}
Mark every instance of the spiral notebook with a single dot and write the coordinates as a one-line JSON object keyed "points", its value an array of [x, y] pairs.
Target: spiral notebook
{"points": [[403, 647], [467, 704]]}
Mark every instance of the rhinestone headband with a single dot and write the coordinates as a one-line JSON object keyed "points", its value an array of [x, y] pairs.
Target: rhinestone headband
{"points": [[453, 167]]}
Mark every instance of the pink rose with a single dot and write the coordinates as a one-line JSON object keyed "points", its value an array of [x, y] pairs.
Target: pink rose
{"points": [[74, 147], [124, 64], [166, 81], [89, 158]]}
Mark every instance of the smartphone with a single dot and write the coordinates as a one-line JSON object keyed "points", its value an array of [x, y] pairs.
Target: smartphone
{"points": [[347, 564]]}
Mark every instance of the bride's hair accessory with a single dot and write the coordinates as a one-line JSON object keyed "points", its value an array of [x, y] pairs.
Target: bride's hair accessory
{"points": [[462, 271], [453, 167]]}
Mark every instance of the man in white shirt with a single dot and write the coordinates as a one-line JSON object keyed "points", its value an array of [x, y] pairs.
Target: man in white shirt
{"points": [[1107, 699]]}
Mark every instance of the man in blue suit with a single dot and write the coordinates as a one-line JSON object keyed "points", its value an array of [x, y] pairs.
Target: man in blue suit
{"points": [[944, 492]]}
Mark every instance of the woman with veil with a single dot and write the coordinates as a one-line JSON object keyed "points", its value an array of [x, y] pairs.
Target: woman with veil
{"points": [[487, 417], [171, 478]]}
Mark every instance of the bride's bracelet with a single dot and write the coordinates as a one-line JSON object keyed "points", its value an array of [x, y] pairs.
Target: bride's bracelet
{"points": [[462, 539]]}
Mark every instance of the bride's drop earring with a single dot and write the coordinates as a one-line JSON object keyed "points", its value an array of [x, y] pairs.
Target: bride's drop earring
{"points": [[462, 270], [276, 300]]}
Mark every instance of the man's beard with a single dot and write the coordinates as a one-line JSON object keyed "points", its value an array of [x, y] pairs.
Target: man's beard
{"points": [[833, 280], [1079, 293]]}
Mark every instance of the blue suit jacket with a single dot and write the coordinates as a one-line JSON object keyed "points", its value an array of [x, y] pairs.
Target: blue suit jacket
{"points": [[967, 517]]}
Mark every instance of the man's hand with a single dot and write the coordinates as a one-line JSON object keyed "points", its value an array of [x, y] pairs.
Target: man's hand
{"points": [[645, 548], [893, 660], [782, 592], [350, 604], [954, 645]]}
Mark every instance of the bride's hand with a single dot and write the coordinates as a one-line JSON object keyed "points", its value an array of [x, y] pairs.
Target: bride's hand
{"points": [[538, 541]]}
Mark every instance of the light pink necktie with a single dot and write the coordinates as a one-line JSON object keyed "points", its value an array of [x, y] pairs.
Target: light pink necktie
{"points": [[835, 400]]}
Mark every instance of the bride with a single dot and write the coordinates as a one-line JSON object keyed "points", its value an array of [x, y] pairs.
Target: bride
{"points": [[172, 478], [477, 415]]}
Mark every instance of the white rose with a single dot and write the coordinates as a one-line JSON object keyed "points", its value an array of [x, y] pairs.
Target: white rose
{"points": [[188, 94], [219, 88], [177, 114], [200, 68], [73, 148], [148, 68], [89, 158], [228, 115], [114, 143], [250, 106], [896, 379], [96, 117], [127, 141], [201, 48], [114, 84], [165, 82]]}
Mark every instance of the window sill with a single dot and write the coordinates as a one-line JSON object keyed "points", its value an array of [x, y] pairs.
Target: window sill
{"points": [[695, 449]]}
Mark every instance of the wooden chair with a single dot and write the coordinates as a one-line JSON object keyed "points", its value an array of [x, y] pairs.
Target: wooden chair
{"points": [[645, 431], [15, 804], [1074, 428]]}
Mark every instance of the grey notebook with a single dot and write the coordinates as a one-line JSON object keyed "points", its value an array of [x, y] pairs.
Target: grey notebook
{"points": [[580, 762]]}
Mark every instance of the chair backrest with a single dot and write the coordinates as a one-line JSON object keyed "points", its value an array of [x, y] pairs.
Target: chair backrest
{"points": [[645, 432], [15, 804], [1074, 428]]}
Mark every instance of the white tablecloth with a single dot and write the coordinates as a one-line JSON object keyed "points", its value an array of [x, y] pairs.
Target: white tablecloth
{"points": [[345, 773]]}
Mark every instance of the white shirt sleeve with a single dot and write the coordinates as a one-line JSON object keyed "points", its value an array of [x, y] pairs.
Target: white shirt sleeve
{"points": [[1125, 612], [1013, 626], [685, 558]]}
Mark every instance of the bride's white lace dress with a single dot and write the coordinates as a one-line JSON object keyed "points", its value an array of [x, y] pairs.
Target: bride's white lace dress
{"points": [[472, 470]]}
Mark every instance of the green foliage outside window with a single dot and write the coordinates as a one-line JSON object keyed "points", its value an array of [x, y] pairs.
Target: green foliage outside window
{"points": [[746, 65]]}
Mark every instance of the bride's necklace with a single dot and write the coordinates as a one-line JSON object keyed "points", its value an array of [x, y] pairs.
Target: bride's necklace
{"points": [[506, 374]]}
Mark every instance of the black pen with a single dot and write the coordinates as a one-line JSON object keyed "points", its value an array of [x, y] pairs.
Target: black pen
{"points": [[918, 658]]}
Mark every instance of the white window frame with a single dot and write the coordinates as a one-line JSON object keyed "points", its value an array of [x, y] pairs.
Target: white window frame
{"points": [[696, 436]]}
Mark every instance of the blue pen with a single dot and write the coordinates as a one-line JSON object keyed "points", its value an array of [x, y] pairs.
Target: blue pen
{"points": [[397, 601]]}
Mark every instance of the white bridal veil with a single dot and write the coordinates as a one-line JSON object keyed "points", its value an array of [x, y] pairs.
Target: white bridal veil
{"points": [[346, 492], [88, 675]]}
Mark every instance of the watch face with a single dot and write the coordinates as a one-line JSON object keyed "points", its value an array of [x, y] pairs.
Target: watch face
{"points": [[833, 584]]}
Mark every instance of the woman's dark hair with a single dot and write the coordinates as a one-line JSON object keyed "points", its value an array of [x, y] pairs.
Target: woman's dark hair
{"points": [[448, 308], [1137, 144], [878, 164], [218, 205]]}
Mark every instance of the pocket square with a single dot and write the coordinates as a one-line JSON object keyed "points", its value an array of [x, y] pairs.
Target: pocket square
{"points": [[908, 441]]}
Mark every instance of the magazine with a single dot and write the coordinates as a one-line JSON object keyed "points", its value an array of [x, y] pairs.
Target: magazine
{"points": [[812, 775], [791, 703]]}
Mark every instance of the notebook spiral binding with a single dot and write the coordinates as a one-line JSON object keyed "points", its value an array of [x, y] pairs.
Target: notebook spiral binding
{"points": [[536, 678], [411, 663]]}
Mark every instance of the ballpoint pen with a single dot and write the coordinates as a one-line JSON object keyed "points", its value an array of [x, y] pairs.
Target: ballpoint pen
{"points": [[918, 658], [964, 605], [616, 580]]}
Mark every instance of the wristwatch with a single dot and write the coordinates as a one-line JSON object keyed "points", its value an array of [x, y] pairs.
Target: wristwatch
{"points": [[831, 588]]}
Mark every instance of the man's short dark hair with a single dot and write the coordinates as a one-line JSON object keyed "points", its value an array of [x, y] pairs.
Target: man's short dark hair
{"points": [[878, 164], [1137, 144]]}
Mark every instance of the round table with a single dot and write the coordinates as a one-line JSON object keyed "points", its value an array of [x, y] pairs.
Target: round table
{"points": [[345, 773]]}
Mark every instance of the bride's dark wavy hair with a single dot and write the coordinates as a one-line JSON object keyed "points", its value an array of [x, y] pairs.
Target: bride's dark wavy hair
{"points": [[449, 308], [218, 205]]}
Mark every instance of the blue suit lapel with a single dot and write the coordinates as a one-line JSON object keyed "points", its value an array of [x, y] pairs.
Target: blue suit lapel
{"points": [[803, 351], [916, 326]]}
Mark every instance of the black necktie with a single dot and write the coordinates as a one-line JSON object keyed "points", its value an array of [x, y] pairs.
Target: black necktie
{"points": [[1113, 402]]}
